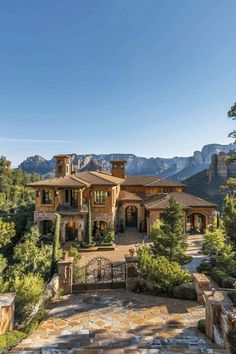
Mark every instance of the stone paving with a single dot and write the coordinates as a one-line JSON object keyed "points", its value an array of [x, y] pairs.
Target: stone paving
{"points": [[119, 322]]}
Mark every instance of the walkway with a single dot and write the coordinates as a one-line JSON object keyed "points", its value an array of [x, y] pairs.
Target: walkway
{"points": [[194, 250], [119, 322], [123, 243]]}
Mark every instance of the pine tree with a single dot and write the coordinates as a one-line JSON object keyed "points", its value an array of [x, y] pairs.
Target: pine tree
{"points": [[168, 233], [89, 225], [56, 250], [229, 217]]}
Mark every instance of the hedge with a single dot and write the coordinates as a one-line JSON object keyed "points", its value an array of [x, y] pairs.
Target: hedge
{"points": [[204, 267], [10, 340], [185, 292], [222, 278], [202, 325], [232, 296]]}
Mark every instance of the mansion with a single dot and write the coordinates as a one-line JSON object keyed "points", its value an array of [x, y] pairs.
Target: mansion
{"points": [[115, 200]]}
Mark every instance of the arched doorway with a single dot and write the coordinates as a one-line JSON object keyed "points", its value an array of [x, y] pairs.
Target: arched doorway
{"points": [[131, 216], [71, 231], [196, 223], [98, 228]]}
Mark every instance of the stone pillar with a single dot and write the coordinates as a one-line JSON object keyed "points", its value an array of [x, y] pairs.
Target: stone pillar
{"points": [[201, 284], [131, 271], [65, 272], [213, 303]]}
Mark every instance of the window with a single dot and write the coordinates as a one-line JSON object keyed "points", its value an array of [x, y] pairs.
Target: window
{"points": [[99, 197], [67, 196], [47, 196]]}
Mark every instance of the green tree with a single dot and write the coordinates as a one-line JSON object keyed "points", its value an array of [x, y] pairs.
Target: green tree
{"points": [[232, 115], [89, 225], [168, 233], [213, 242], [56, 248], [31, 256], [7, 231], [28, 290], [229, 217]]}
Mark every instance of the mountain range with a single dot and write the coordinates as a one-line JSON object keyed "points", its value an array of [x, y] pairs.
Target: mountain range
{"points": [[176, 168]]}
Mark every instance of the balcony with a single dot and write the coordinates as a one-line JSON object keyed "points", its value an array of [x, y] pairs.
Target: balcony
{"points": [[72, 209]]}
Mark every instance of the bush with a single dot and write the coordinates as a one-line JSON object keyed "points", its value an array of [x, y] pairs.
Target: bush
{"points": [[109, 235], [229, 282], [232, 296], [28, 290], [204, 267], [34, 323], [10, 339], [185, 292], [214, 242], [231, 335], [74, 252], [202, 325], [165, 273], [218, 275]]}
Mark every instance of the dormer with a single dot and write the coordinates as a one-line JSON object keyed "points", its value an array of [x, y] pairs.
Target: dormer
{"points": [[118, 168], [63, 165]]}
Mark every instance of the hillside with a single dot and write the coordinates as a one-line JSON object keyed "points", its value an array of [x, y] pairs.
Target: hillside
{"points": [[201, 187], [177, 168]]}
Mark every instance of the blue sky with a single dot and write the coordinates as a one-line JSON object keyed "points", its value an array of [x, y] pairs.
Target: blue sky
{"points": [[154, 78]]}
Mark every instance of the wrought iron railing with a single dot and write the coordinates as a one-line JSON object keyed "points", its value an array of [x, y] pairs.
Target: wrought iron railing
{"points": [[73, 208]]}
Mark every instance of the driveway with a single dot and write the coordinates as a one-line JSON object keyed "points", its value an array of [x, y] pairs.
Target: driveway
{"points": [[117, 322]]}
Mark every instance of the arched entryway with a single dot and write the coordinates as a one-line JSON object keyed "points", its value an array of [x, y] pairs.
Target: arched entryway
{"points": [[131, 216], [196, 223], [71, 231], [98, 228], [46, 228]]}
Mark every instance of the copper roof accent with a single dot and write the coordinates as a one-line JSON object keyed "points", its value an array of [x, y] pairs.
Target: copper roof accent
{"points": [[99, 178], [150, 181], [125, 195], [67, 181], [161, 201]]}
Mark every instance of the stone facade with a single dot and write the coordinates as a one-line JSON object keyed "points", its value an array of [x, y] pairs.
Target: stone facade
{"points": [[7, 310]]}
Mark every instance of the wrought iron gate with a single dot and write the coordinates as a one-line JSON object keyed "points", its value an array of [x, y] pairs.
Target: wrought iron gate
{"points": [[100, 273]]}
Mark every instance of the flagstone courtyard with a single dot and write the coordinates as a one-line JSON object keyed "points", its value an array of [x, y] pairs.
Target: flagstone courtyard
{"points": [[117, 322]]}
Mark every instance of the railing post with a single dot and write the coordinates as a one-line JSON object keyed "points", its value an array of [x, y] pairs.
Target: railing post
{"points": [[65, 272]]}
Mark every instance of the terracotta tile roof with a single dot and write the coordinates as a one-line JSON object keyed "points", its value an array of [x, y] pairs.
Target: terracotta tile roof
{"points": [[150, 181], [124, 195], [67, 181], [161, 201], [99, 178]]}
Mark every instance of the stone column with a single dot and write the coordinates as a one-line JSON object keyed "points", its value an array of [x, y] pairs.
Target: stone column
{"points": [[213, 303], [65, 272], [201, 284], [131, 272]]}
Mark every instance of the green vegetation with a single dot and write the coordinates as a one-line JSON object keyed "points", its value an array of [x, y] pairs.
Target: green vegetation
{"points": [[165, 273], [10, 340], [168, 235], [202, 325], [56, 249], [231, 335], [229, 217], [89, 225], [214, 242], [232, 115]]}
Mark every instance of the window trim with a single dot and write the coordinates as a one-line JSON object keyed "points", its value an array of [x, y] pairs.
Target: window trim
{"points": [[42, 194], [103, 195]]}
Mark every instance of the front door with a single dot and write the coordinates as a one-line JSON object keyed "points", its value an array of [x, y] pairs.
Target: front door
{"points": [[131, 216]]}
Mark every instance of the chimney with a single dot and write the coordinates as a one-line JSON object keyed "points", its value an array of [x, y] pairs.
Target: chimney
{"points": [[118, 168], [63, 165]]}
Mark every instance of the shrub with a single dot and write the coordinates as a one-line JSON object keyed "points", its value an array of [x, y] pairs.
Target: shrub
{"points": [[218, 275], [74, 252], [232, 296], [204, 267], [165, 273], [202, 325], [213, 242], [228, 282], [28, 290], [185, 292], [10, 339], [109, 235], [34, 323], [231, 335]]}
